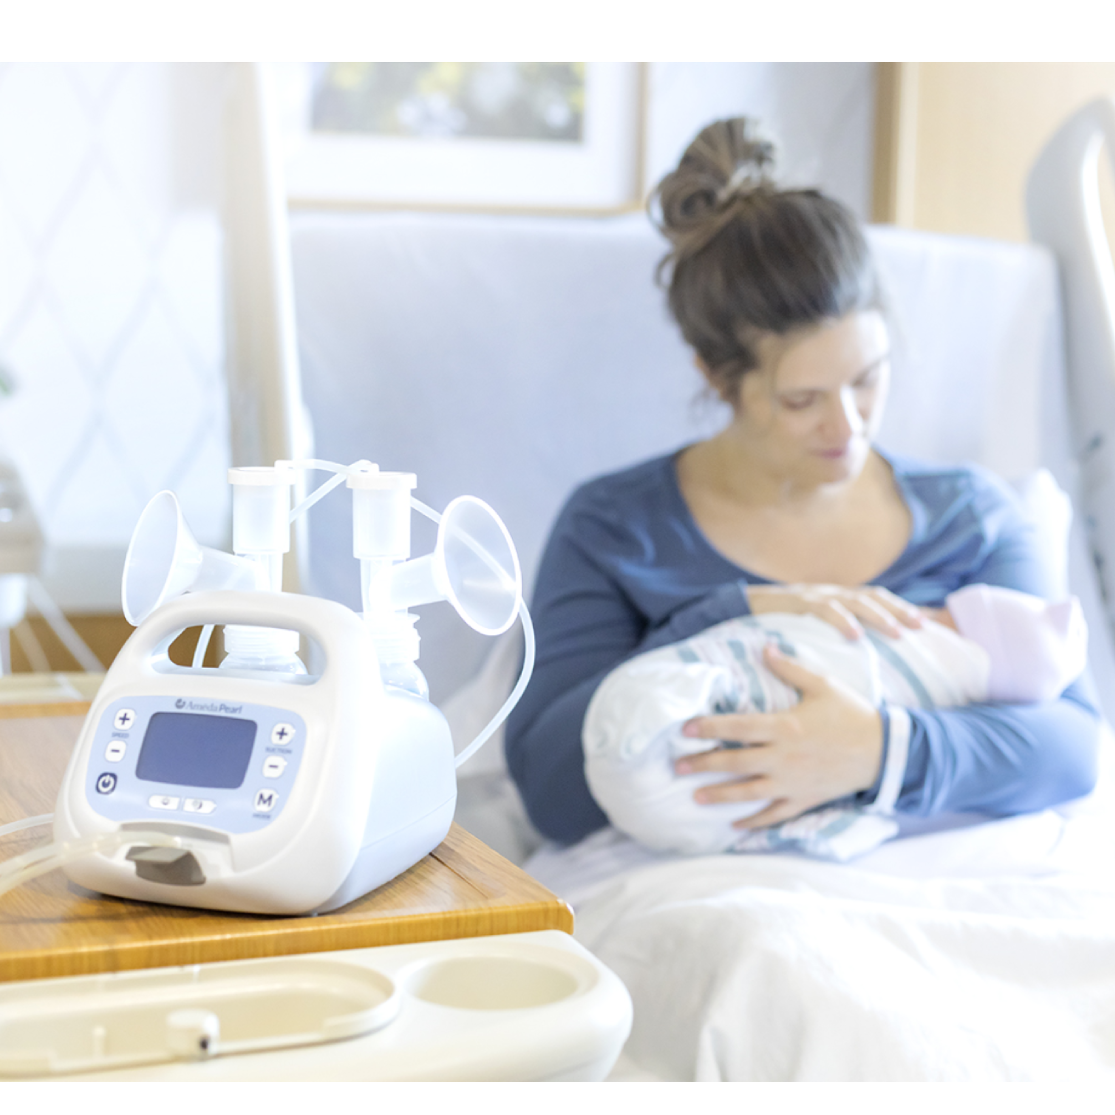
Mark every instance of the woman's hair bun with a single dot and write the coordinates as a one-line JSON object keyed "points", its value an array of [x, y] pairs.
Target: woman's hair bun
{"points": [[748, 258], [728, 161]]}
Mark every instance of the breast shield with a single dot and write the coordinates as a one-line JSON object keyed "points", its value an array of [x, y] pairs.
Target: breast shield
{"points": [[474, 566], [164, 560]]}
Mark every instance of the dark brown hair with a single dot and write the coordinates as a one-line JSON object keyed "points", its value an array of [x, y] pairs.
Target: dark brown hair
{"points": [[749, 258]]}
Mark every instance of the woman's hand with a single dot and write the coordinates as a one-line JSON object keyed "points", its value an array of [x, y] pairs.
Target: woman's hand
{"points": [[847, 609], [828, 745]]}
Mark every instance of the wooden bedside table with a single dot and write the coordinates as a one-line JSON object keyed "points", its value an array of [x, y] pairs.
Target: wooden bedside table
{"points": [[50, 927]]}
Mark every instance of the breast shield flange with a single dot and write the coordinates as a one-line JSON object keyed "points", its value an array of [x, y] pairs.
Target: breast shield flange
{"points": [[474, 567]]}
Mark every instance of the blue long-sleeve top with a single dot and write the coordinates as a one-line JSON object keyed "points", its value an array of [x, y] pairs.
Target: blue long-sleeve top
{"points": [[627, 569]]}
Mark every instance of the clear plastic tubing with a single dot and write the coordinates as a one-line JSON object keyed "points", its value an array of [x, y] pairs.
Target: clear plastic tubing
{"points": [[26, 823], [49, 857], [528, 656]]}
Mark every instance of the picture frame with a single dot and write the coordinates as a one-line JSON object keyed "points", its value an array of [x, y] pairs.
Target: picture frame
{"points": [[600, 171]]}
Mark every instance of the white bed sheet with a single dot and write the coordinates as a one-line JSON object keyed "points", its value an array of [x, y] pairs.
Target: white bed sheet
{"points": [[981, 952]]}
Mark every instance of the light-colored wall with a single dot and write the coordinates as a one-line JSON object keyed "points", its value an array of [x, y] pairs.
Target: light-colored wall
{"points": [[111, 274], [967, 133], [820, 115]]}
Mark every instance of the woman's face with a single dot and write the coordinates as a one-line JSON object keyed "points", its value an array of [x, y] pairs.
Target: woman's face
{"points": [[812, 407]]}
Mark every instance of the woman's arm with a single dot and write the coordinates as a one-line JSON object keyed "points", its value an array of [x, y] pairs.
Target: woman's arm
{"points": [[998, 758], [585, 625], [993, 759], [1001, 758], [623, 572], [988, 758], [546, 760]]}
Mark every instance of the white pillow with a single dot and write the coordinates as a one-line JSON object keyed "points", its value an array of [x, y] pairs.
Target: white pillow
{"points": [[1048, 505]]}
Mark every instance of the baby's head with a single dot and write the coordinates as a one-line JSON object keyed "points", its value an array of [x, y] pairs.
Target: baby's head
{"points": [[1036, 648]]}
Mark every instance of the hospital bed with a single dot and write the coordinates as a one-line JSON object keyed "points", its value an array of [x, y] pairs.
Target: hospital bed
{"points": [[512, 357]]}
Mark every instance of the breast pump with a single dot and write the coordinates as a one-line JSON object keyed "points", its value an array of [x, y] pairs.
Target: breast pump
{"points": [[258, 786]]}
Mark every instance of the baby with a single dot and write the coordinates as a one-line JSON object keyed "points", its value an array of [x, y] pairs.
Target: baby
{"points": [[988, 644]]}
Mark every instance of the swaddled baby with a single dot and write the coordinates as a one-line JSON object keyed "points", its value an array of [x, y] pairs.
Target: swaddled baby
{"points": [[1007, 646]]}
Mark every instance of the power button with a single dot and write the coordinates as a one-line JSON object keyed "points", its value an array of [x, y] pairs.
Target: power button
{"points": [[106, 783]]}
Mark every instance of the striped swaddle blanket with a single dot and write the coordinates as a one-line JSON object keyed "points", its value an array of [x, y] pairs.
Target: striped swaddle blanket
{"points": [[632, 731]]}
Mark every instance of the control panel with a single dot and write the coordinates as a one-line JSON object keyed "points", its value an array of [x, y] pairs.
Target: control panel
{"points": [[227, 766]]}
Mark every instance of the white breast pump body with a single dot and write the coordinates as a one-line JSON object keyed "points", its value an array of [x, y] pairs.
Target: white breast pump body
{"points": [[285, 793]]}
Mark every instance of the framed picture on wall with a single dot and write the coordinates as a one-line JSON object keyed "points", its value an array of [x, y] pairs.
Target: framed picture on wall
{"points": [[531, 136]]}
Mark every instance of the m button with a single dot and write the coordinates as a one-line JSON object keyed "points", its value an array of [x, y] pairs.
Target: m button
{"points": [[265, 801]]}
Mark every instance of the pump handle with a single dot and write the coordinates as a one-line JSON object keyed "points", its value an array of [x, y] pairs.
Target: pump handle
{"points": [[330, 624]]}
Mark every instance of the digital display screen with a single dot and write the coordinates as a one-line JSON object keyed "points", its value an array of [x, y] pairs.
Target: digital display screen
{"points": [[191, 749]]}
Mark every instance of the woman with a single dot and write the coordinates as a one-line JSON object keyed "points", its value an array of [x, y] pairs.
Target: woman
{"points": [[790, 509]]}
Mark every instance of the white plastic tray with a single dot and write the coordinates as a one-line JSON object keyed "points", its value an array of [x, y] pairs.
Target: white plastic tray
{"points": [[529, 1006]]}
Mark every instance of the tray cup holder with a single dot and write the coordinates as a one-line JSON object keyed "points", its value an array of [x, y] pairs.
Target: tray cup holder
{"points": [[491, 983]]}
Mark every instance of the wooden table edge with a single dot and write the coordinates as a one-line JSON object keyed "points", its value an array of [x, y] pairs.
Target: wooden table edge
{"points": [[286, 939]]}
